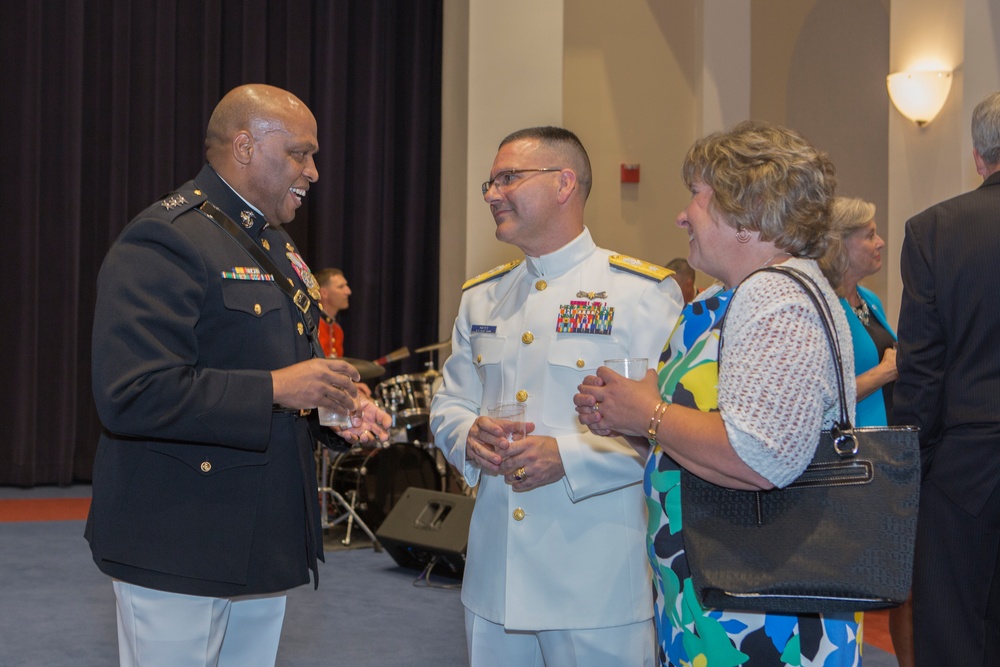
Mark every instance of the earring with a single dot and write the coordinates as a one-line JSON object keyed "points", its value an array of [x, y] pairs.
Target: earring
{"points": [[742, 235]]}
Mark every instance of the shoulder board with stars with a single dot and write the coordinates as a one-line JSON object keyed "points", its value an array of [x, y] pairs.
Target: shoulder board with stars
{"points": [[639, 267], [180, 201], [491, 274]]}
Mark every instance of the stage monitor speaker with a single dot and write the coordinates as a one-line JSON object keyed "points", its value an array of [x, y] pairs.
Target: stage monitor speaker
{"points": [[428, 525]]}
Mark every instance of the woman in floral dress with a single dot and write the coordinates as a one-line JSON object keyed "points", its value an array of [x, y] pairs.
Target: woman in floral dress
{"points": [[761, 196]]}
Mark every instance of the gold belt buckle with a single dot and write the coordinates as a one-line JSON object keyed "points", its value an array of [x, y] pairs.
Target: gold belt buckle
{"points": [[301, 300]]}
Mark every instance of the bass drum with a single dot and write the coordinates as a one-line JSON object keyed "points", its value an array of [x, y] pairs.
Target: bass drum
{"points": [[377, 478]]}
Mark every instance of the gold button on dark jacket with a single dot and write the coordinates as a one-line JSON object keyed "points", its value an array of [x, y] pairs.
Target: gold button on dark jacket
{"points": [[206, 466]]}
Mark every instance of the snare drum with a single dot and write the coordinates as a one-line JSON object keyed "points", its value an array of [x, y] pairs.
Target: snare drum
{"points": [[408, 397], [378, 478]]}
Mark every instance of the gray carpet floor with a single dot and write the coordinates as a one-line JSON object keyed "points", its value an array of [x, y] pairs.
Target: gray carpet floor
{"points": [[57, 609]]}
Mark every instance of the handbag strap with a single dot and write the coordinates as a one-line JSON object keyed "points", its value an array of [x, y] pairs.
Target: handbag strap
{"points": [[264, 261], [844, 441]]}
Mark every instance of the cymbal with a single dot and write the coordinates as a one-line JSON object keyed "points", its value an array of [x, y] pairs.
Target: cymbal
{"points": [[367, 369], [436, 346]]}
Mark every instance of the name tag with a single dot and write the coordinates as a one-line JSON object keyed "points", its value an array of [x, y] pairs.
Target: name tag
{"points": [[483, 328]]}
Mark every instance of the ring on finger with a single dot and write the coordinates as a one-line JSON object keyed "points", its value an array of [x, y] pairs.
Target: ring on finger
{"points": [[520, 475], [597, 407]]}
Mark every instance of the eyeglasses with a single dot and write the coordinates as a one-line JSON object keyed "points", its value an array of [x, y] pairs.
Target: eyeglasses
{"points": [[506, 178]]}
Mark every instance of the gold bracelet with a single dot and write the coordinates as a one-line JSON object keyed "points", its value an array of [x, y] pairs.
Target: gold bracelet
{"points": [[654, 421]]}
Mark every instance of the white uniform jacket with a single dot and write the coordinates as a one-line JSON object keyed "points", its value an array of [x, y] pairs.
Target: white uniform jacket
{"points": [[571, 554]]}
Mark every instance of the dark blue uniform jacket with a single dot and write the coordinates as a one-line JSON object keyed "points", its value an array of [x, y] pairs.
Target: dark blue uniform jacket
{"points": [[199, 488]]}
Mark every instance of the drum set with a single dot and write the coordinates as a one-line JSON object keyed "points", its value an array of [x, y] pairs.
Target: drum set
{"points": [[359, 487]]}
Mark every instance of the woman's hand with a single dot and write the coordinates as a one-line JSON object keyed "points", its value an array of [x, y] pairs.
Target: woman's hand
{"points": [[888, 365], [878, 376], [610, 404]]}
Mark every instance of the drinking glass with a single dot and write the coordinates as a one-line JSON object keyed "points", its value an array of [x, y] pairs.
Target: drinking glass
{"points": [[334, 418], [511, 415], [633, 368]]}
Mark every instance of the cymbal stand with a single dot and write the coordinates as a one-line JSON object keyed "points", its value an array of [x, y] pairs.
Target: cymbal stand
{"points": [[350, 514]]}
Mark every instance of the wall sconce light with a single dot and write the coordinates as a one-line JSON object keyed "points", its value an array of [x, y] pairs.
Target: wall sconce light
{"points": [[919, 95]]}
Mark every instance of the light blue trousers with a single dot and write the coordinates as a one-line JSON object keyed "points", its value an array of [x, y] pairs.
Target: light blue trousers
{"points": [[492, 645], [158, 629]]}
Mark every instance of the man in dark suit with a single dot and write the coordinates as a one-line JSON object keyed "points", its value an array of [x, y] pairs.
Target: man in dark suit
{"points": [[949, 386], [205, 504]]}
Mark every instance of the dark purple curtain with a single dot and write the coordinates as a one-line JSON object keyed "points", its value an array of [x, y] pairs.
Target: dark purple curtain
{"points": [[107, 108]]}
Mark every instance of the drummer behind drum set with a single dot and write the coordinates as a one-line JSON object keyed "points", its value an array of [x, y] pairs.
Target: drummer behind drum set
{"points": [[334, 296]]}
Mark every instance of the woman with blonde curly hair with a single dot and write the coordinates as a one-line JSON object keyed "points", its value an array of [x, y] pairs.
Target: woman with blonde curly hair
{"points": [[747, 419]]}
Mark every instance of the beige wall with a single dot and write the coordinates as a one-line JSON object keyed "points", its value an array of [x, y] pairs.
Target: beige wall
{"points": [[639, 80], [980, 71], [925, 164], [455, 194], [629, 93], [503, 71], [819, 67]]}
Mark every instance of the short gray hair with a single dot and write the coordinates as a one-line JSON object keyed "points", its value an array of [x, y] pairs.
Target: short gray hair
{"points": [[986, 129]]}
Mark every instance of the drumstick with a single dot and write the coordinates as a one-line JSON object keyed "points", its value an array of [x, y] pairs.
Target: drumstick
{"points": [[395, 355]]}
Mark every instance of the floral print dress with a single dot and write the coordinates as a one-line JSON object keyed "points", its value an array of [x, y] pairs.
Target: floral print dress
{"points": [[688, 634]]}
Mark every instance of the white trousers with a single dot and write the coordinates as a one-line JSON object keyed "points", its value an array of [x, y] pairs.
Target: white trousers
{"points": [[491, 645], [158, 629]]}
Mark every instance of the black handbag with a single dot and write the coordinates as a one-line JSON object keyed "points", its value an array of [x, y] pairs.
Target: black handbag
{"points": [[839, 538]]}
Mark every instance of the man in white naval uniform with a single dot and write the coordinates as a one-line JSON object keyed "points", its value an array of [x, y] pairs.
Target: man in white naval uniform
{"points": [[556, 570]]}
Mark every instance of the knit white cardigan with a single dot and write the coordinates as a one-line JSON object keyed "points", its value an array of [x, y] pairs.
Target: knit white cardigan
{"points": [[777, 386]]}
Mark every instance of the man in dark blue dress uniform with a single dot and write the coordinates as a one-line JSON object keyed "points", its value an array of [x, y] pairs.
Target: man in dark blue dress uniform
{"points": [[205, 377]]}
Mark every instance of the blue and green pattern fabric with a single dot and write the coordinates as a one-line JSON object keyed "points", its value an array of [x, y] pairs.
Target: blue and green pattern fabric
{"points": [[689, 635]]}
